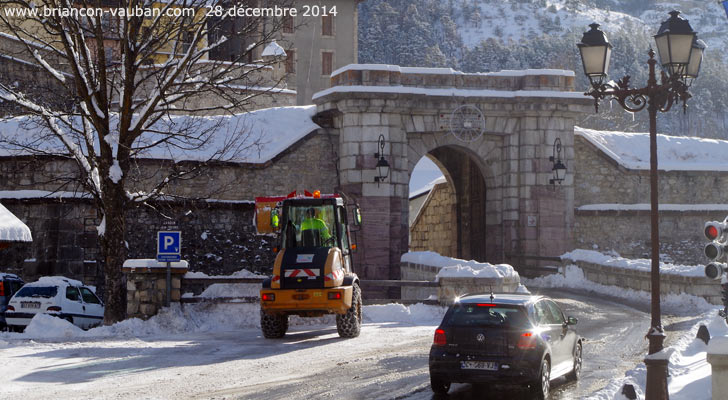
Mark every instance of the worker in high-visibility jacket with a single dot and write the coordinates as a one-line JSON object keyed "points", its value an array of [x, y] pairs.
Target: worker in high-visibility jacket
{"points": [[313, 222]]}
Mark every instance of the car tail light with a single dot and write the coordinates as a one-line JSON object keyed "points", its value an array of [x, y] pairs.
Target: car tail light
{"points": [[334, 295], [2, 288], [486, 305], [440, 339], [268, 297], [11, 308], [527, 341], [54, 308]]}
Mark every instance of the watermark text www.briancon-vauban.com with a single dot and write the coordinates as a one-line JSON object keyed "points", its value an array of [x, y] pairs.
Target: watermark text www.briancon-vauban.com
{"points": [[177, 11]]}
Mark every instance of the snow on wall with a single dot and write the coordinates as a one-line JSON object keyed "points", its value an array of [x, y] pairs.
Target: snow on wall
{"points": [[268, 132], [675, 153], [13, 229], [448, 71], [456, 268], [641, 264], [449, 92], [646, 207]]}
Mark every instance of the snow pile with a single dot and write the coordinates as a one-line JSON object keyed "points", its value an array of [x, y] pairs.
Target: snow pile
{"points": [[675, 153], [243, 273], [690, 373], [44, 326], [12, 229], [573, 278], [641, 264], [416, 314], [456, 268], [254, 137]]}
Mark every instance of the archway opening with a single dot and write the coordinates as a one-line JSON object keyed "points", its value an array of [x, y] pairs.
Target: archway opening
{"points": [[448, 207]]}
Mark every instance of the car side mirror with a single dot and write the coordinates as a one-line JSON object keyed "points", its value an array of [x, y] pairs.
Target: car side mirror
{"points": [[572, 321]]}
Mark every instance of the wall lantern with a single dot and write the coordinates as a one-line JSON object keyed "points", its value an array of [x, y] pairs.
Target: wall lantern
{"points": [[559, 169], [382, 164]]}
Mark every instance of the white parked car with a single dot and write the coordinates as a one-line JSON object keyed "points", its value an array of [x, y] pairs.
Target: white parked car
{"points": [[55, 295]]}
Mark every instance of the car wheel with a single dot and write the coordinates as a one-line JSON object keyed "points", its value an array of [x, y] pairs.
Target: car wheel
{"points": [[438, 385], [576, 372], [541, 387]]}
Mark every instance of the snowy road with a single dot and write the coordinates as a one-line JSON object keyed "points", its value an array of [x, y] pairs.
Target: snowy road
{"points": [[388, 360]]}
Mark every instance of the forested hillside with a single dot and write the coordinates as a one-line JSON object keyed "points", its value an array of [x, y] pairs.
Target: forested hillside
{"points": [[492, 35]]}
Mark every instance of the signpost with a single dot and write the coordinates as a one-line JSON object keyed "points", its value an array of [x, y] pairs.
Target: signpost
{"points": [[169, 246]]}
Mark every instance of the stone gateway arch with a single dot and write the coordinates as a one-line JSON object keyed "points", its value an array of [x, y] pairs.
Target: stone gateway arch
{"points": [[492, 135]]}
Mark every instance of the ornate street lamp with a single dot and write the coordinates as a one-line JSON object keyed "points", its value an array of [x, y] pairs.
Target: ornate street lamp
{"points": [[382, 164], [559, 169], [680, 56]]}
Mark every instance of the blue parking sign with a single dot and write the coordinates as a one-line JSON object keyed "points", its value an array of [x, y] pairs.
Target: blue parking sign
{"points": [[169, 246], [725, 6]]}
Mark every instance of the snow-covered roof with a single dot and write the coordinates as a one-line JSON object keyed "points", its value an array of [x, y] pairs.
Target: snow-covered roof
{"points": [[427, 187], [273, 49], [448, 71], [675, 153], [12, 229], [267, 133]]}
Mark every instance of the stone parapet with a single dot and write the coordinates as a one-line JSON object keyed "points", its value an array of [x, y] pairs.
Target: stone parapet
{"points": [[390, 75], [146, 288], [451, 287], [641, 280]]}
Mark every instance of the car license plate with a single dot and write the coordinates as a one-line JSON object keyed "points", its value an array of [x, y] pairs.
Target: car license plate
{"points": [[483, 365], [29, 304]]}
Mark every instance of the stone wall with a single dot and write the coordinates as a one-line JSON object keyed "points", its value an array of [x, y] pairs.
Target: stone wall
{"points": [[640, 280], [435, 227], [308, 164], [599, 179]]}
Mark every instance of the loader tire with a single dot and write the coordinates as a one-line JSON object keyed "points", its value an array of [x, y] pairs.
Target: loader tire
{"points": [[349, 325], [274, 326]]}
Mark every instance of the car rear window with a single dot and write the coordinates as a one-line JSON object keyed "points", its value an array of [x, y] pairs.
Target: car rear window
{"points": [[473, 314], [37, 291]]}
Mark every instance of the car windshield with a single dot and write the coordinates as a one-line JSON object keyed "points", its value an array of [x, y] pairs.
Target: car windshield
{"points": [[37, 291], [474, 314]]}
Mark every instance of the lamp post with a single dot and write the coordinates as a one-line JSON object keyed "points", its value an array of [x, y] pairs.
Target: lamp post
{"points": [[680, 54]]}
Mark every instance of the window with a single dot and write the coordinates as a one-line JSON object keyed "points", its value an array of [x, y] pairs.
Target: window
{"points": [[291, 61], [556, 312], [470, 314], [288, 24], [72, 294], [309, 226], [327, 63], [89, 296], [186, 41], [327, 25], [109, 54], [38, 291]]}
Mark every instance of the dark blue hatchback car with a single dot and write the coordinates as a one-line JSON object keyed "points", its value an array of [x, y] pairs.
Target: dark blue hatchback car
{"points": [[517, 339], [9, 285]]}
